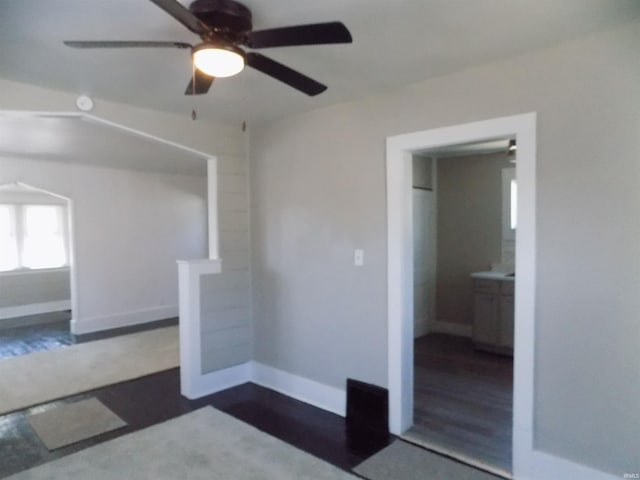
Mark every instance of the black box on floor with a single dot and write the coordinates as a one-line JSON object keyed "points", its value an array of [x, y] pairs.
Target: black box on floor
{"points": [[367, 420]]}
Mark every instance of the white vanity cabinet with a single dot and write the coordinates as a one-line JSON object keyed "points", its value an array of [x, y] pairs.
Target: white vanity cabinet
{"points": [[493, 312]]}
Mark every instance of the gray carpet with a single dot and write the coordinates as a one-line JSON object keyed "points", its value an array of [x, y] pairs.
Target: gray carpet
{"points": [[403, 461], [72, 422], [203, 445], [44, 376]]}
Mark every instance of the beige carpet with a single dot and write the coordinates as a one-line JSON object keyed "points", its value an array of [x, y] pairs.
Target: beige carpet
{"points": [[203, 445], [44, 376], [69, 423], [403, 461]]}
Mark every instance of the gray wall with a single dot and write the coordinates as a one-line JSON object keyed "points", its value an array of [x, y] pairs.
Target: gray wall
{"points": [[35, 286], [226, 320], [27, 288], [128, 229], [318, 191], [469, 228], [183, 196]]}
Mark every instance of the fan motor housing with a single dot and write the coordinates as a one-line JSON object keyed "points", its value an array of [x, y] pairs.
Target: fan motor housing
{"points": [[224, 16]]}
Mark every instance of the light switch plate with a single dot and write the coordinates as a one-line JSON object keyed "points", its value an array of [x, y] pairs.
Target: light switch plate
{"points": [[358, 257]]}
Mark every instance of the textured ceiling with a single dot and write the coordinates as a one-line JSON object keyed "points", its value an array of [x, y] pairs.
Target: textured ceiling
{"points": [[83, 140], [395, 43]]}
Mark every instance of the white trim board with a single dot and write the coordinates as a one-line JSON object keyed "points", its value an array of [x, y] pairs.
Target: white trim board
{"points": [[308, 391], [208, 383], [400, 270]]}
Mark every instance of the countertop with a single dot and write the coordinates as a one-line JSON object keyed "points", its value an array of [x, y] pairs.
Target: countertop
{"points": [[494, 276]]}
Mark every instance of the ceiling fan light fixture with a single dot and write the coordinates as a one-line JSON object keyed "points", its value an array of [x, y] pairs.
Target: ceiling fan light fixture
{"points": [[218, 60]]}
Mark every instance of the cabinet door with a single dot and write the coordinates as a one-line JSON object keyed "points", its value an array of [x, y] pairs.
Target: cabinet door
{"points": [[506, 320], [485, 318]]}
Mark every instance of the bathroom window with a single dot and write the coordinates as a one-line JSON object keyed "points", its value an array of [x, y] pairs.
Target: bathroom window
{"points": [[32, 237], [509, 203], [513, 204]]}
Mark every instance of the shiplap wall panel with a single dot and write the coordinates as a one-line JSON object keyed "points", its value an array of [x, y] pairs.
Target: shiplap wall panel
{"points": [[225, 308], [227, 318], [222, 299], [229, 337], [228, 357]]}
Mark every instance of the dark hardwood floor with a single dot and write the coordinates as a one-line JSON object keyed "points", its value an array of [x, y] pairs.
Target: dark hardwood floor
{"points": [[16, 341], [48, 334], [155, 398], [463, 399]]}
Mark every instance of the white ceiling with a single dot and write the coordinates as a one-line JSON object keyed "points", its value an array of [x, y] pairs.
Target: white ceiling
{"points": [[395, 43], [77, 139]]}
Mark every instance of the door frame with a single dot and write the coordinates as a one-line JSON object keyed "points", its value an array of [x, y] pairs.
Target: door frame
{"points": [[399, 151], [430, 262]]}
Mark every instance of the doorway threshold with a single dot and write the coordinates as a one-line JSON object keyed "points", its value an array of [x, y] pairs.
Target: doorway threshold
{"points": [[456, 455]]}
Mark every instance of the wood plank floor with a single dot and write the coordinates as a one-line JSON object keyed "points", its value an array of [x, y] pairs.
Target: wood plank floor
{"points": [[49, 335], [34, 338], [155, 398], [463, 399]]}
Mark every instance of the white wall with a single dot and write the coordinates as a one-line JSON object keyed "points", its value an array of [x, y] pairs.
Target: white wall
{"points": [[33, 291], [318, 192], [150, 219], [128, 229]]}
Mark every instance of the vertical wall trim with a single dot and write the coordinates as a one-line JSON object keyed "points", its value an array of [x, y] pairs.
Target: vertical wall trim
{"points": [[212, 207]]}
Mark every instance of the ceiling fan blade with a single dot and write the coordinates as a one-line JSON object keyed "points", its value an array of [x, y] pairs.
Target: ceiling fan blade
{"points": [[313, 34], [183, 15], [199, 84], [124, 44], [283, 73]]}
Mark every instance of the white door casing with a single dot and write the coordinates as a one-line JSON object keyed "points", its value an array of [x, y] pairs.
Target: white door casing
{"points": [[400, 269]]}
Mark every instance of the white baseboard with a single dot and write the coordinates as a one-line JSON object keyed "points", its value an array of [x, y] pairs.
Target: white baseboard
{"points": [[458, 329], [202, 385], [314, 393], [545, 466], [34, 309], [309, 391], [80, 326]]}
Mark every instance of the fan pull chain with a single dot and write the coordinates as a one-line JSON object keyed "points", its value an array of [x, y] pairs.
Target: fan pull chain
{"points": [[193, 90]]}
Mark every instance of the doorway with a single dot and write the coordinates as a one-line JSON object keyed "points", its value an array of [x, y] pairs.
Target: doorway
{"points": [[35, 270], [463, 329], [400, 269]]}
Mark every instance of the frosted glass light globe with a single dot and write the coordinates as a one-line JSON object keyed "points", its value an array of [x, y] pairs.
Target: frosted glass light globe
{"points": [[218, 61]]}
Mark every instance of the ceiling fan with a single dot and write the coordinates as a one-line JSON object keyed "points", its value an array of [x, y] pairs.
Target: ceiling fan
{"points": [[226, 25]]}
